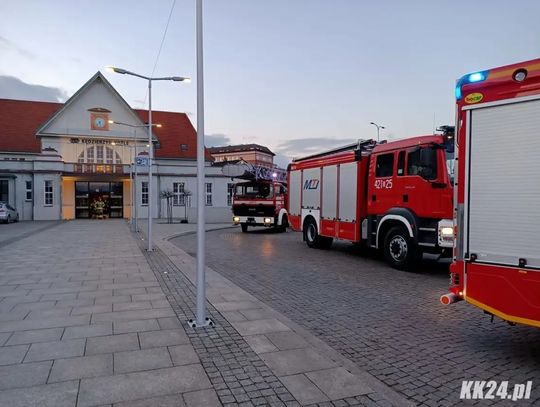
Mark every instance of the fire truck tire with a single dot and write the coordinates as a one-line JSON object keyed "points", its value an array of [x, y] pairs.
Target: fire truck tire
{"points": [[399, 249], [284, 224], [244, 227], [312, 237]]}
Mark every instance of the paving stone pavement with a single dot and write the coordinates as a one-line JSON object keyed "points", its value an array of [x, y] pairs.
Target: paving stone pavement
{"points": [[243, 365], [387, 322], [84, 322]]}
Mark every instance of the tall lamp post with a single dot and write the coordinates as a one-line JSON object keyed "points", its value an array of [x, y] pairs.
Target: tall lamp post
{"points": [[151, 149], [378, 129], [134, 167]]}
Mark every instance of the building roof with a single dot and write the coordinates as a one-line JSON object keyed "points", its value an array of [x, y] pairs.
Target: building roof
{"points": [[21, 119], [240, 148]]}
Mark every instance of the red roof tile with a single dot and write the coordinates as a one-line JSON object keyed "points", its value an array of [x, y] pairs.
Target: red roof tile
{"points": [[20, 120], [176, 130]]}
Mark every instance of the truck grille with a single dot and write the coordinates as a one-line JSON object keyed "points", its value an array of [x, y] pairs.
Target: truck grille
{"points": [[258, 210]]}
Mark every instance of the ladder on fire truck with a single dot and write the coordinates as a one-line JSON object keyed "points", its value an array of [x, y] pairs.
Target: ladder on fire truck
{"points": [[360, 146], [248, 171]]}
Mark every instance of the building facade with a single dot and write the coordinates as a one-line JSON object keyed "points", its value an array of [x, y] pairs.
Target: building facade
{"points": [[74, 160], [251, 153]]}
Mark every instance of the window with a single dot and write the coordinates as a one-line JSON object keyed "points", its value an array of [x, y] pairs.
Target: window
{"points": [[111, 156], [28, 190], [99, 154], [183, 147], [230, 189], [423, 162], [4, 191], [109, 152], [144, 193], [90, 155], [208, 194], [48, 193], [254, 190], [385, 165], [401, 163], [179, 199]]}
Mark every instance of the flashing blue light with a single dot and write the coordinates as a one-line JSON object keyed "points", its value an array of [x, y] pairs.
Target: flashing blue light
{"points": [[476, 77], [458, 92]]}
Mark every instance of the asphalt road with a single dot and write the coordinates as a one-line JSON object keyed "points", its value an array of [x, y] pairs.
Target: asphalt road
{"points": [[390, 323]]}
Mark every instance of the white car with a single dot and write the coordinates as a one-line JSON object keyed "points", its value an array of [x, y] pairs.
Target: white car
{"points": [[8, 213]]}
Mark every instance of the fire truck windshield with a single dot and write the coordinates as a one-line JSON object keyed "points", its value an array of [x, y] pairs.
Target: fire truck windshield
{"points": [[254, 190]]}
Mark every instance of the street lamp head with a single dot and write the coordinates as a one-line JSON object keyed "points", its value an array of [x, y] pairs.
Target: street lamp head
{"points": [[116, 70], [371, 123], [158, 125], [111, 121], [181, 79], [382, 127]]}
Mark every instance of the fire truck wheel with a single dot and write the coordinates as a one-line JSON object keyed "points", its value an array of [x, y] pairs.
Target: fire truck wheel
{"points": [[399, 249], [284, 224], [244, 227], [312, 237]]}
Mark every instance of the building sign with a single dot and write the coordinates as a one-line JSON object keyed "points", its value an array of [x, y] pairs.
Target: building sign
{"points": [[142, 161], [99, 141]]}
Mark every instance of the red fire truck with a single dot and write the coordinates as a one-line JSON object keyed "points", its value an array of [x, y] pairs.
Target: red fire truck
{"points": [[394, 196], [260, 203], [497, 252]]}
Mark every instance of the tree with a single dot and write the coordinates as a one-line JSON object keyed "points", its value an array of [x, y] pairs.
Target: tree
{"points": [[168, 195], [187, 196]]}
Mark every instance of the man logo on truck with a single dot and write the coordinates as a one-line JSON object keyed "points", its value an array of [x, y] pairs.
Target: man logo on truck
{"points": [[311, 184]]}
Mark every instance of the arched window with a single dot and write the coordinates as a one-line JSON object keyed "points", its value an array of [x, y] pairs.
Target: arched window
{"points": [[99, 154]]}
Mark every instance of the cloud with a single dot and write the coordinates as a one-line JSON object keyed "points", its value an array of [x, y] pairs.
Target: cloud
{"points": [[305, 146], [10, 45], [14, 88], [216, 140]]}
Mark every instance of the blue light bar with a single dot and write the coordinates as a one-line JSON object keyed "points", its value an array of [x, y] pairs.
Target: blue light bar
{"points": [[470, 78], [476, 77], [458, 92]]}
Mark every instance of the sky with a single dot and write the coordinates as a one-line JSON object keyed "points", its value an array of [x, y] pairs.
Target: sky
{"points": [[298, 76]]}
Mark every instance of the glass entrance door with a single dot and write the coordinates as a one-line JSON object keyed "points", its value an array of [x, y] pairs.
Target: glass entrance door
{"points": [[98, 200]]}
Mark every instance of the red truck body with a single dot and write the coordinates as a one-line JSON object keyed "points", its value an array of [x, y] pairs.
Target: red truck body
{"points": [[496, 263], [260, 203], [395, 196]]}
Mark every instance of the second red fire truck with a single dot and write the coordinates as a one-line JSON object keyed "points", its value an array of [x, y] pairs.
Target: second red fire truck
{"points": [[260, 203], [396, 197], [497, 255]]}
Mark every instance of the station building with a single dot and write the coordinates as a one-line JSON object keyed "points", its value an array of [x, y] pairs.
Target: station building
{"points": [[67, 160]]}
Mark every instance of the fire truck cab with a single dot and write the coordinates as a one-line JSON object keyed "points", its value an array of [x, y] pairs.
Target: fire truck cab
{"points": [[496, 263], [396, 197], [260, 203]]}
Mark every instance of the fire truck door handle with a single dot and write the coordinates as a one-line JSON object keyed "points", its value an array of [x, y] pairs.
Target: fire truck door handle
{"points": [[373, 198], [405, 197]]}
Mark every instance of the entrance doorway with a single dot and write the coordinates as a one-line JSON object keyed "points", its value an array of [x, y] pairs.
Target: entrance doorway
{"points": [[98, 200]]}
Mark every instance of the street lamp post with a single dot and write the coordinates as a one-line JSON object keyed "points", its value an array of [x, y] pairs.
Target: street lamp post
{"points": [[151, 148], [133, 169], [378, 129]]}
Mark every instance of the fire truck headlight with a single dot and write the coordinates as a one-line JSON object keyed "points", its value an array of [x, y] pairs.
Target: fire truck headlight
{"points": [[236, 219], [447, 232], [267, 220]]}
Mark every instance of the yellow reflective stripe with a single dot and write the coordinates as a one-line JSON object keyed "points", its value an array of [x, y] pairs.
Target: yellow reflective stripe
{"points": [[502, 315], [509, 72]]}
